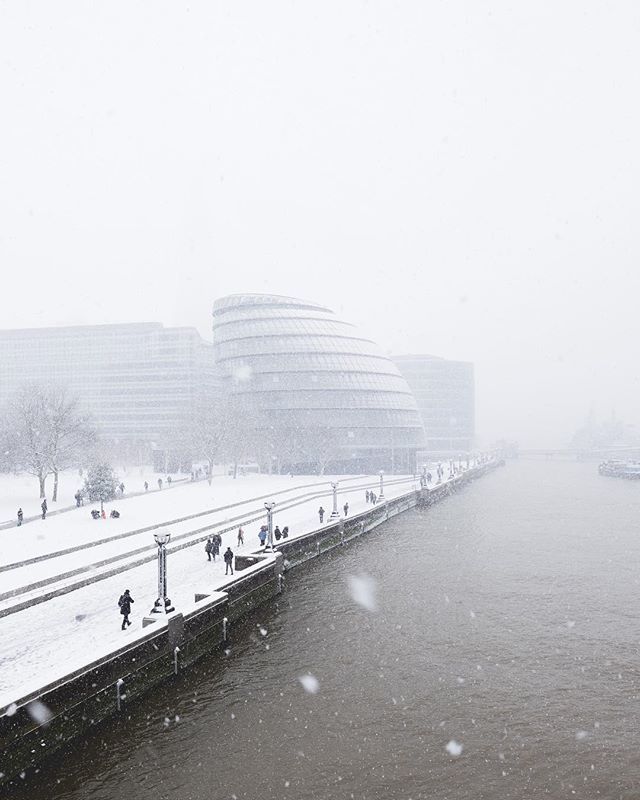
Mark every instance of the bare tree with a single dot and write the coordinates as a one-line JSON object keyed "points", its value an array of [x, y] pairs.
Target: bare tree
{"points": [[28, 434], [46, 432], [70, 433]]}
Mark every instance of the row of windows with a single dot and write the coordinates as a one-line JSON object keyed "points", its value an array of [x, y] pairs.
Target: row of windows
{"points": [[273, 345], [337, 401], [329, 380], [310, 362], [283, 327]]}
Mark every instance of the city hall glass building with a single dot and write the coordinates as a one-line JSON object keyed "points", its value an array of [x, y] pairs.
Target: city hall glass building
{"points": [[298, 372]]}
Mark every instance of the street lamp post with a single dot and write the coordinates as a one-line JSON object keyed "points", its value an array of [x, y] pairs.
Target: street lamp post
{"points": [[381, 495], [162, 604], [269, 507], [334, 513]]}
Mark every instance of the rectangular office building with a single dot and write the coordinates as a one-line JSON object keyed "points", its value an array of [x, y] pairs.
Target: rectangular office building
{"points": [[445, 394], [140, 382]]}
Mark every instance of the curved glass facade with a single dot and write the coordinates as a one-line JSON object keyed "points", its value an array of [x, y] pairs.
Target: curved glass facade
{"points": [[304, 379]]}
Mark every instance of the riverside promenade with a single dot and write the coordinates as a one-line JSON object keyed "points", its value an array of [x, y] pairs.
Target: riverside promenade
{"points": [[205, 600]]}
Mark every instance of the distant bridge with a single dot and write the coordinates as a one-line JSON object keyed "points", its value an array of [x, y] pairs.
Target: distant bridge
{"points": [[580, 454]]}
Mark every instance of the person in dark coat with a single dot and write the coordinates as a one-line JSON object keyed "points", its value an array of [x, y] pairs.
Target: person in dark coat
{"points": [[125, 607], [285, 532], [159, 483], [374, 498], [114, 514], [228, 560], [44, 508], [240, 537], [321, 514], [146, 486], [277, 533], [78, 498], [20, 516], [367, 496], [208, 548], [217, 543], [345, 508], [169, 479], [121, 487]]}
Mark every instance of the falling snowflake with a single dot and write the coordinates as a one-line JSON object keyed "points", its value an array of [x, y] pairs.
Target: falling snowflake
{"points": [[309, 683], [581, 735], [39, 712], [362, 589], [453, 748]]}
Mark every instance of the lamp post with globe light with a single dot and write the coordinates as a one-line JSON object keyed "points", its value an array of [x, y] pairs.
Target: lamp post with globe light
{"points": [[162, 604], [269, 506], [334, 513]]}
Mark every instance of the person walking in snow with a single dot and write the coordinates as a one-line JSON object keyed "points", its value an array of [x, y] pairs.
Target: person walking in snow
{"points": [[169, 479], [208, 548], [285, 532], [121, 487], [228, 560], [367, 496], [345, 508], [262, 535], [217, 544], [277, 533], [321, 514], [374, 498], [44, 508], [20, 516], [125, 607], [77, 497], [240, 537], [159, 483], [146, 486]]}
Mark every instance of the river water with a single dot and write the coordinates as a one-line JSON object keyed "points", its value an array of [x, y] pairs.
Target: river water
{"points": [[506, 623]]}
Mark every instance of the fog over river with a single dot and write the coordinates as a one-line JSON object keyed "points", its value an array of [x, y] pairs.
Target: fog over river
{"points": [[506, 631]]}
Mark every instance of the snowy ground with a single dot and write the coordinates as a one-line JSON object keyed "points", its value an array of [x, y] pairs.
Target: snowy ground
{"points": [[45, 641], [22, 491]]}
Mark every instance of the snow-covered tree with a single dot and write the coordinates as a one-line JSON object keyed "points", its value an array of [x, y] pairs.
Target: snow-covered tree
{"points": [[45, 432], [100, 484]]}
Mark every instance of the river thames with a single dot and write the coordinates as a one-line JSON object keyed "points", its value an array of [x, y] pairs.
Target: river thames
{"points": [[501, 661]]}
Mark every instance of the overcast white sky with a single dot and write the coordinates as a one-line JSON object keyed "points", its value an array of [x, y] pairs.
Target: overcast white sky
{"points": [[458, 178]]}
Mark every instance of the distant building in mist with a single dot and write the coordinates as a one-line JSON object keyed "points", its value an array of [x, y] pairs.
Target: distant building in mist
{"points": [[445, 393], [312, 388], [140, 382]]}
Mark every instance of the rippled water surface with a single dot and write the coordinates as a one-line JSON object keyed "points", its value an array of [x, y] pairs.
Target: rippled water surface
{"points": [[507, 622]]}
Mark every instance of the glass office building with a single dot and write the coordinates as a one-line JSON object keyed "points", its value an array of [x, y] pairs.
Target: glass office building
{"points": [[140, 382], [445, 394], [302, 374]]}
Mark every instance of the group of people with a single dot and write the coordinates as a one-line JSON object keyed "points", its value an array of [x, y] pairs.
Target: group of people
{"points": [[95, 514], [278, 534], [212, 549], [371, 497]]}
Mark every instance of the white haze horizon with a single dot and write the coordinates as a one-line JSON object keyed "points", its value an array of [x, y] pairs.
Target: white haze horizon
{"points": [[458, 179]]}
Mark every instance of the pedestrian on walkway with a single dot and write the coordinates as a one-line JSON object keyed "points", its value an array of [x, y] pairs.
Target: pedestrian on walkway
{"points": [[228, 560], [146, 486], [169, 479], [374, 498], [121, 487], [277, 533], [345, 508], [125, 607], [20, 516], [285, 532], [78, 498], [217, 544], [159, 483], [208, 548], [321, 514], [367, 496], [240, 537], [44, 508], [262, 535]]}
